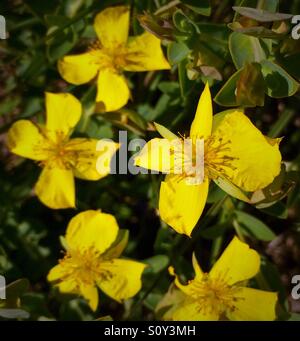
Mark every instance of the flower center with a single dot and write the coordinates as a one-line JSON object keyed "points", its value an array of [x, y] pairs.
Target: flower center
{"points": [[64, 153], [214, 296], [195, 158], [84, 267], [109, 58], [217, 159]]}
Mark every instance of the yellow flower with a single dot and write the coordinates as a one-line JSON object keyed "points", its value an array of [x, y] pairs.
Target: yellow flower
{"points": [[220, 294], [60, 157], [110, 56], [92, 260], [236, 155]]}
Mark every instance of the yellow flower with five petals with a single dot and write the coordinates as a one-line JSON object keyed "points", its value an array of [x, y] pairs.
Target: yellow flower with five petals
{"points": [[60, 157], [236, 155], [92, 260], [113, 53], [221, 293]]}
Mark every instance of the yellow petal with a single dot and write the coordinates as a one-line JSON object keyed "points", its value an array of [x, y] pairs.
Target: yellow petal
{"points": [[257, 159], [78, 69], [56, 273], [112, 26], [191, 311], [181, 204], [237, 263], [25, 139], [68, 287], [124, 280], [106, 149], [202, 124], [188, 289], [157, 155], [197, 268], [253, 305], [145, 54], [113, 92], [63, 113], [87, 154], [55, 188], [92, 229], [90, 293]]}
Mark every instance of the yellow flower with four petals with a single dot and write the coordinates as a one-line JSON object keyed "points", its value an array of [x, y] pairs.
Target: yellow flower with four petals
{"points": [[60, 157], [222, 293], [92, 260], [114, 53], [236, 155]]}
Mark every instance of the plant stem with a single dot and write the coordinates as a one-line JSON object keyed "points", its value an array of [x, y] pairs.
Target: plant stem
{"points": [[238, 230], [281, 123]]}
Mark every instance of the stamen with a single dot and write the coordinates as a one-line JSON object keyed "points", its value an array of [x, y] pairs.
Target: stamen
{"points": [[214, 296], [84, 266]]}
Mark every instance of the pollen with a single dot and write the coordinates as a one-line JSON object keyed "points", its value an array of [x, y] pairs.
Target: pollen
{"points": [[214, 296], [63, 153], [196, 159], [83, 267], [217, 159]]}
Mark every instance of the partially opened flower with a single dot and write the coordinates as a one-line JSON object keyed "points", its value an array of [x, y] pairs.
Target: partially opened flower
{"points": [[94, 244], [222, 294], [60, 157], [110, 56], [236, 155]]}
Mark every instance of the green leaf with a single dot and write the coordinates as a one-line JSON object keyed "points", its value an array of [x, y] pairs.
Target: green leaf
{"points": [[245, 49], [261, 15], [213, 232], [226, 95], [256, 31], [177, 52], [269, 5], [277, 210], [183, 23], [272, 276], [152, 300], [278, 82], [13, 292], [291, 64], [60, 47], [156, 263], [281, 186], [157, 26], [184, 82], [231, 189], [201, 7], [210, 44], [250, 86], [254, 227]]}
